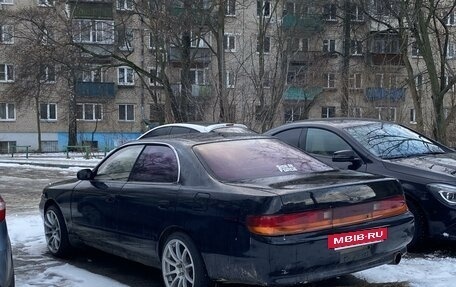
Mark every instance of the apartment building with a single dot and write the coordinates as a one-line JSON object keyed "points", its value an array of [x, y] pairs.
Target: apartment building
{"points": [[283, 61]]}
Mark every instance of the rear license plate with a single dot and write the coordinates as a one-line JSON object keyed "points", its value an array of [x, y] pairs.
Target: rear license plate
{"points": [[355, 254], [357, 238]]}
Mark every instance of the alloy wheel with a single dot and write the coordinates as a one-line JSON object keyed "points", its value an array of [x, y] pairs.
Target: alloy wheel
{"points": [[52, 231], [177, 265]]}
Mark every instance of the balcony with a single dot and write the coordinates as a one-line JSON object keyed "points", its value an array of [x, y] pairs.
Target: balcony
{"points": [[393, 94], [293, 93], [95, 89], [379, 59], [91, 10], [197, 55], [309, 23]]}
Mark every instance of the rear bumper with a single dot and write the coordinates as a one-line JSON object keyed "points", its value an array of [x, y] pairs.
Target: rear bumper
{"points": [[306, 258]]}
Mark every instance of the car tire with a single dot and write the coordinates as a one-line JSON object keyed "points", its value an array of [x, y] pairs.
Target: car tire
{"points": [[420, 233], [56, 233], [181, 262]]}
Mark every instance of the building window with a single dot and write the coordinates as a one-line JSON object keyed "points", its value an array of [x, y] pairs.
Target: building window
{"points": [[125, 5], [6, 73], [356, 14], [357, 112], [47, 73], [300, 45], [386, 46], [330, 12], [45, 35], [126, 113], [229, 43], [378, 80], [230, 79], [329, 46], [94, 75], [125, 76], [155, 74], [230, 8], [451, 19], [266, 45], [330, 80], [451, 50], [7, 34], [93, 31], [199, 40], [197, 76], [266, 80], [419, 82], [356, 48], [328, 112], [88, 112], [415, 50], [6, 2], [264, 8], [355, 81], [386, 113], [125, 39], [7, 112], [46, 3], [412, 116], [48, 112]]}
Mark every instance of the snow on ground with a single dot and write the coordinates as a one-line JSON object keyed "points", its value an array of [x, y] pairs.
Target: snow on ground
{"points": [[36, 268], [26, 232]]}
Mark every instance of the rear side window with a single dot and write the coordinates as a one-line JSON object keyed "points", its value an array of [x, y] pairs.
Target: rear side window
{"points": [[290, 136], [156, 164], [256, 158], [158, 132], [181, 130]]}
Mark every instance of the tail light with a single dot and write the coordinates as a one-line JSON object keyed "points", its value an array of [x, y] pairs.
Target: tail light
{"points": [[2, 209], [314, 220]]}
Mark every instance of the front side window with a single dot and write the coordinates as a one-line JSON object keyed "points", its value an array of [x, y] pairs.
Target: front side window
{"points": [[156, 164], [88, 112], [323, 142], [7, 34], [125, 76], [126, 112], [256, 158], [7, 112], [119, 164], [48, 111], [6, 73]]}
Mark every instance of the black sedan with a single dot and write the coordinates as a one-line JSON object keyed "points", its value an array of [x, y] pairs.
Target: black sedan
{"points": [[241, 209], [425, 167]]}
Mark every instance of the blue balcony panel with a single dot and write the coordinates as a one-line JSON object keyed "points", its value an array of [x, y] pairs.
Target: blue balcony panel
{"points": [[293, 93], [95, 89], [394, 94]]}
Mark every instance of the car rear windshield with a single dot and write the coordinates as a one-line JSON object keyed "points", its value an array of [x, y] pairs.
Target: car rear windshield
{"points": [[241, 160], [389, 141]]}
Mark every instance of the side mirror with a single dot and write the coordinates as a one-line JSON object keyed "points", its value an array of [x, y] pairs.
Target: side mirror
{"points": [[345, 156], [85, 174]]}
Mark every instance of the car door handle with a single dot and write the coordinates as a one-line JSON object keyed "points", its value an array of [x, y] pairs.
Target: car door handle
{"points": [[163, 204], [110, 198]]}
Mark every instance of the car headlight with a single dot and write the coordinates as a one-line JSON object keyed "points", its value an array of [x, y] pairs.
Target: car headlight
{"points": [[444, 191]]}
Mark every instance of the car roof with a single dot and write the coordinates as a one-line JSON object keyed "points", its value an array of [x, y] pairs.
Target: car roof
{"points": [[334, 122], [198, 138]]}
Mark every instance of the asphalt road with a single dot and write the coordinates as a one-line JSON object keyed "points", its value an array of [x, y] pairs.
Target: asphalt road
{"points": [[21, 186]]}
